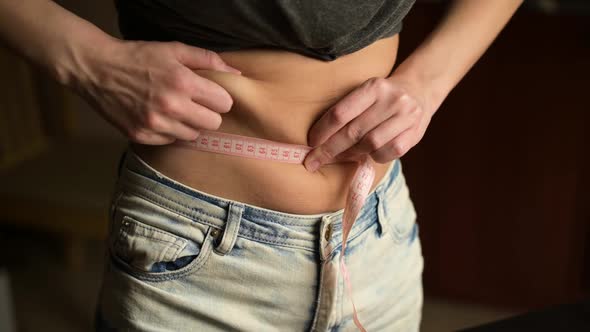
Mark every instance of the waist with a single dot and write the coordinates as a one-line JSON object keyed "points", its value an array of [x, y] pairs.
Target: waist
{"points": [[140, 179], [278, 97]]}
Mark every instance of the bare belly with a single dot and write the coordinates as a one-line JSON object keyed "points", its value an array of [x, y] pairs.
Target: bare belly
{"points": [[279, 96]]}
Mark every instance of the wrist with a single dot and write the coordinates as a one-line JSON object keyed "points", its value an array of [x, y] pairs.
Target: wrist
{"points": [[75, 62]]}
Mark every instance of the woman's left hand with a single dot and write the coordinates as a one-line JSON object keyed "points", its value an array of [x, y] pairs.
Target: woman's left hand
{"points": [[383, 117]]}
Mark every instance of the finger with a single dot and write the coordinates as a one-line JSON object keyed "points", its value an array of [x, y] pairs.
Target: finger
{"points": [[395, 148], [211, 95], [348, 136], [151, 138], [197, 116], [183, 132], [157, 139], [197, 58], [127, 124], [341, 113], [382, 134], [170, 127], [345, 157]]}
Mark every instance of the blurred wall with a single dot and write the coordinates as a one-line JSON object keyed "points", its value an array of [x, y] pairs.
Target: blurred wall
{"points": [[501, 180]]}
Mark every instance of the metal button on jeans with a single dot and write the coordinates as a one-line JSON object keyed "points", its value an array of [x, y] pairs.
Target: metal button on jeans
{"points": [[215, 233], [328, 234]]}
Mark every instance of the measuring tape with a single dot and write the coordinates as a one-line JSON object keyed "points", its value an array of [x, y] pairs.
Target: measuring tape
{"points": [[259, 148]]}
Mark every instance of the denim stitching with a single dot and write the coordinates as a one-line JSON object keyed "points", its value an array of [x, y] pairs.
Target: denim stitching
{"points": [[125, 229], [126, 234], [271, 215], [280, 244]]}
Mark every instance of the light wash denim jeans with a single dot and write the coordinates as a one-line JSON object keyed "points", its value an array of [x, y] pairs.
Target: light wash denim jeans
{"points": [[179, 259]]}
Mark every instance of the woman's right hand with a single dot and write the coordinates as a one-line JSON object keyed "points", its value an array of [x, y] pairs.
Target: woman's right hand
{"points": [[149, 91]]}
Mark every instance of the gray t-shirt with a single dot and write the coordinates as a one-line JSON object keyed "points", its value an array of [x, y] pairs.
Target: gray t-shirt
{"points": [[323, 29]]}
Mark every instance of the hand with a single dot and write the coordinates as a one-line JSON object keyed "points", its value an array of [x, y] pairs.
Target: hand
{"points": [[383, 117], [149, 92]]}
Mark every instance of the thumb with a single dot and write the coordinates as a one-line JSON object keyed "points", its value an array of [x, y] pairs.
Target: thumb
{"points": [[200, 58]]}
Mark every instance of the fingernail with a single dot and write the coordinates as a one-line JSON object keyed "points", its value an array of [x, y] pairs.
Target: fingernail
{"points": [[313, 165]]}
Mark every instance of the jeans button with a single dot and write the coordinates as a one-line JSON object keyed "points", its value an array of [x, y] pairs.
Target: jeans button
{"points": [[215, 233]]}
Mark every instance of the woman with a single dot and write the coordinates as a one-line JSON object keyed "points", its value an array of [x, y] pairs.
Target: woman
{"points": [[213, 242]]}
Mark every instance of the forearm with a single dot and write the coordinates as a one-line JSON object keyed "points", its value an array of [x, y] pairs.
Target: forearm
{"points": [[446, 55], [50, 37]]}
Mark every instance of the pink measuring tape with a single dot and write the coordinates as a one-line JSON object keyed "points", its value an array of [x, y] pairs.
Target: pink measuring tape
{"points": [[259, 148]]}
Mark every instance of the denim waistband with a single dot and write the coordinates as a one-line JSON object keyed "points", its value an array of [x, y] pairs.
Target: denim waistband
{"points": [[138, 177]]}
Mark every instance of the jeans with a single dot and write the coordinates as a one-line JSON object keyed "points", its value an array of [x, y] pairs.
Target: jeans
{"points": [[180, 259]]}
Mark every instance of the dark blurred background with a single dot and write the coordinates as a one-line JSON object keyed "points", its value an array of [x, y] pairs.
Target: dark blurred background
{"points": [[501, 180]]}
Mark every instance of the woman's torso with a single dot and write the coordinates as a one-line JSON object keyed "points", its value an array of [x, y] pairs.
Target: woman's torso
{"points": [[279, 96]]}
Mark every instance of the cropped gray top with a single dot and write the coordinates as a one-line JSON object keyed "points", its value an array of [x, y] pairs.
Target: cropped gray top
{"points": [[323, 29]]}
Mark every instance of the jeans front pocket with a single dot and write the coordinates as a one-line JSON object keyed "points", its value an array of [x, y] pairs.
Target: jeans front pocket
{"points": [[149, 253]]}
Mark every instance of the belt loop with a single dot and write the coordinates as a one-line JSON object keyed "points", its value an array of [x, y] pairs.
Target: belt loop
{"points": [[232, 227]]}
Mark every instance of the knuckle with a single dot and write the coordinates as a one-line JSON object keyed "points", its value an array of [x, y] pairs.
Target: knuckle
{"points": [[405, 98], [166, 105], [135, 134], [151, 120], [354, 133], [179, 80], [170, 48], [325, 154], [380, 84], [212, 58], [398, 148], [406, 101], [175, 44], [161, 101], [373, 142], [339, 115]]}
